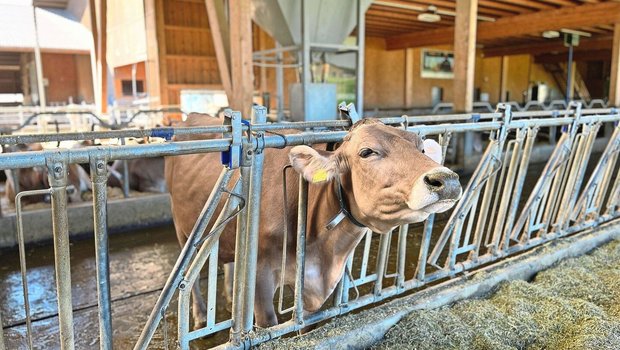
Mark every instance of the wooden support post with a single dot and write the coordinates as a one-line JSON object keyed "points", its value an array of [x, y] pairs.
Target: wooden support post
{"points": [[409, 79], [464, 54], [38, 62], [242, 73], [98, 20], [504, 80], [152, 53], [219, 32], [614, 84]]}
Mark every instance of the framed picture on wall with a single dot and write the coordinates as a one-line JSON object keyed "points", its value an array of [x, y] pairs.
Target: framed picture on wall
{"points": [[437, 64]]}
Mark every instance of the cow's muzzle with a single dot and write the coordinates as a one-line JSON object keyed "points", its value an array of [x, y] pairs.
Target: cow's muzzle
{"points": [[444, 183]]}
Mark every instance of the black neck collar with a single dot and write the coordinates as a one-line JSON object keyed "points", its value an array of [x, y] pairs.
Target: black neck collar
{"points": [[344, 212]]}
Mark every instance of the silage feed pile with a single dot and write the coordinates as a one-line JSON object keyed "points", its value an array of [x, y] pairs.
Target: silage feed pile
{"points": [[574, 305]]}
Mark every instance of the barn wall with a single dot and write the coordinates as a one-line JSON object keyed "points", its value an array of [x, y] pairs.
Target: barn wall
{"points": [[84, 79], [124, 73], [61, 74]]}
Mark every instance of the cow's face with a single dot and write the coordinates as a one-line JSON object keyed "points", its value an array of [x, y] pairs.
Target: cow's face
{"points": [[390, 176]]}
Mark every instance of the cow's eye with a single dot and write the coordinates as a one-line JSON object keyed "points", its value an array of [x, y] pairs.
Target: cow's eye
{"points": [[366, 152]]}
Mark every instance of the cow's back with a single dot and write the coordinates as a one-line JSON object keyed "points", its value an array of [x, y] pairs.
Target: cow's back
{"points": [[191, 178]]}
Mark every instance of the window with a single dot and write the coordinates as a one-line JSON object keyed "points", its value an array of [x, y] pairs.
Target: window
{"points": [[127, 87]]}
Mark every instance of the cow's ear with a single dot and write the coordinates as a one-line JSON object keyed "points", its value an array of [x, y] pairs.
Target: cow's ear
{"points": [[433, 150], [314, 166]]}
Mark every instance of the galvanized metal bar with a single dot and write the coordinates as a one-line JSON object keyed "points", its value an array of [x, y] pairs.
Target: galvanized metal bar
{"points": [[402, 255], [208, 250], [300, 251], [420, 273], [22, 258], [239, 281], [359, 67], [99, 179], [519, 182], [57, 170], [125, 174], [184, 259], [306, 58], [366, 254], [2, 346], [256, 157], [384, 246]]}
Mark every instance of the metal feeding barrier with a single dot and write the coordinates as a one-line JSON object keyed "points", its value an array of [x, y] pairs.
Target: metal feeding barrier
{"points": [[497, 216]]}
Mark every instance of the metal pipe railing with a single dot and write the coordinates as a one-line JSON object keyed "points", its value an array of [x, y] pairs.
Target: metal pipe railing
{"points": [[486, 225]]}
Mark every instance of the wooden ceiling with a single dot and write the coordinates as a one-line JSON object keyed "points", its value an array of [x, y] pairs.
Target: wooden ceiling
{"points": [[501, 23]]}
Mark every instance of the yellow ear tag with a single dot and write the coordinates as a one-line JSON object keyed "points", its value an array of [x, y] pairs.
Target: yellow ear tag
{"points": [[319, 176]]}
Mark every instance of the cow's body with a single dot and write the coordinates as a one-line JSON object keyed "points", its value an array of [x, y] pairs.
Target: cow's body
{"points": [[145, 174], [191, 178]]}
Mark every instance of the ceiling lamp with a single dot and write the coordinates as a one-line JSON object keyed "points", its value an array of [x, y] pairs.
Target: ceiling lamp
{"points": [[430, 15], [550, 34]]}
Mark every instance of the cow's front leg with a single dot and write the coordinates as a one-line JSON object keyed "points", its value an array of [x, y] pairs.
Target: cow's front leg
{"points": [[199, 307], [264, 311]]}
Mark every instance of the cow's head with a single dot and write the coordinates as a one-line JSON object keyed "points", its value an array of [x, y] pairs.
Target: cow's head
{"points": [[390, 176]]}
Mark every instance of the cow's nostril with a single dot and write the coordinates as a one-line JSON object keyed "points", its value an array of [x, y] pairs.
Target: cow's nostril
{"points": [[433, 182]]}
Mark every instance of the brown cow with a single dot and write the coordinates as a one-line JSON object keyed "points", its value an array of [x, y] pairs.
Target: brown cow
{"points": [[37, 178], [386, 181], [145, 174]]}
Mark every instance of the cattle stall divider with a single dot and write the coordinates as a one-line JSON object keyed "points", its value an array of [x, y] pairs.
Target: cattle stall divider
{"points": [[496, 217]]}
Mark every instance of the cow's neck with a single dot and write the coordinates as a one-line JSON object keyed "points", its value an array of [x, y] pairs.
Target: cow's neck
{"points": [[328, 249]]}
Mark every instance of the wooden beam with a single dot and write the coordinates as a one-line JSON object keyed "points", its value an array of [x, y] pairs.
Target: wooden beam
{"points": [[532, 23], [216, 23], [152, 53], [555, 46], [614, 78], [584, 55], [98, 13], [503, 88], [464, 54], [242, 72], [409, 78], [160, 32]]}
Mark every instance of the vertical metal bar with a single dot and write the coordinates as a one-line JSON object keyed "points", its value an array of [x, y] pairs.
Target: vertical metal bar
{"points": [[253, 225], [300, 269], [212, 284], [183, 315], [516, 195], [280, 83], [15, 177], [305, 58], [125, 174], [208, 250], [60, 226], [183, 260], [402, 255], [239, 283], [2, 335], [99, 178], [424, 247], [22, 258], [384, 244], [361, 37], [366, 255], [569, 68], [346, 281]]}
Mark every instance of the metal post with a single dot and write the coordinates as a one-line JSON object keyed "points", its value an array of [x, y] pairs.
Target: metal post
{"points": [[301, 251], [253, 213], [305, 58], [239, 283], [361, 37], [402, 255], [2, 335], [99, 178], [57, 169], [569, 69], [280, 83], [384, 246], [125, 174]]}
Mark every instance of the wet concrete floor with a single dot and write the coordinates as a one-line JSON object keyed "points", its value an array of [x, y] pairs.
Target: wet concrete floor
{"points": [[140, 263]]}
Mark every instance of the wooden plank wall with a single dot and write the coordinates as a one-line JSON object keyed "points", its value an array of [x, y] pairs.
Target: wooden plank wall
{"points": [[187, 53]]}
